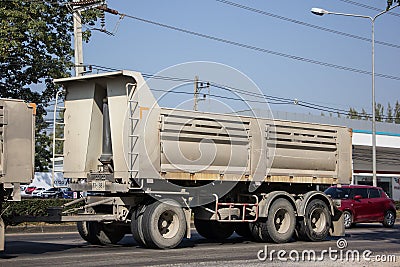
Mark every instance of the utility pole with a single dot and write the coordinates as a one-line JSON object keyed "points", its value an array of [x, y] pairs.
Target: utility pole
{"points": [[77, 7], [197, 88], [78, 50], [196, 92], [321, 12]]}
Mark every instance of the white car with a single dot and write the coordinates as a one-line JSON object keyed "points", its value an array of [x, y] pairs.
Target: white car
{"points": [[23, 188], [38, 192]]}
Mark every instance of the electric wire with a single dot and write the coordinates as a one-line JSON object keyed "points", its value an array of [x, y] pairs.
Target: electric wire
{"points": [[251, 9], [274, 100], [263, 50], [369, 7]]}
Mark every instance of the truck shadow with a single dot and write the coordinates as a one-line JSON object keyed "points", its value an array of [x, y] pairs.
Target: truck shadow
{"points": [[14, 249], [361, 232]]}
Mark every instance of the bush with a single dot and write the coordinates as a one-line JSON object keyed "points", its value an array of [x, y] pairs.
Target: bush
{"points": [[397, 203], [29, 208]]}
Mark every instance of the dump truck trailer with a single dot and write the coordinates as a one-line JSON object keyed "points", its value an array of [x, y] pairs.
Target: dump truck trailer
{"points": [[150, 171], [17, 146]]}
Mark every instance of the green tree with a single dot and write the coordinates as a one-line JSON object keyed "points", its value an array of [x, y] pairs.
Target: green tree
{"points": [[353, 114], [364, 115], [389, 113], [35, 47], [379, 111], [392, 114], [396, 112]]}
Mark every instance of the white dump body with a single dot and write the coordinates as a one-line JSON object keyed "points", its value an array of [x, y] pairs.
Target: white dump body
{"points": [[205, 146], [160, 143]]}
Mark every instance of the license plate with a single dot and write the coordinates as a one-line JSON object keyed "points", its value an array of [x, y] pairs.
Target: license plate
{"points": [[99, 186]]}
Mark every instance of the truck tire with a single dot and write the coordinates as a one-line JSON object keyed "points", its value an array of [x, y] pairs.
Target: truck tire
{"points": [[281, 221], [279, 226], [163, 225], [213, 230], [258, 231], [243, 229], [136, 225], [85, 231], [109, 234], [389, 219], [316, 223], [98, 233]]}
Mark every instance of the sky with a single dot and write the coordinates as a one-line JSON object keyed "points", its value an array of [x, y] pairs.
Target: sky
{"points": [[148, 48]]}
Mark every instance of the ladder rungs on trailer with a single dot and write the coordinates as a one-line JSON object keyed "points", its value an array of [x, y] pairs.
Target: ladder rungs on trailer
{"points": [[57, 110], [133, 138]]}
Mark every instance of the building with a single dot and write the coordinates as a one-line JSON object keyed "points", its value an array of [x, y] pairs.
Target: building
{"points": [[387, 149]]}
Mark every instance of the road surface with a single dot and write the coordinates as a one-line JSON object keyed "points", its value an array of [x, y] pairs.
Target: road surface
{"points": [[68, 249]]}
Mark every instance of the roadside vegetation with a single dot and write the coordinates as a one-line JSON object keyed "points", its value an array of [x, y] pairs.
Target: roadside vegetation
{"points": [[29, 208]]}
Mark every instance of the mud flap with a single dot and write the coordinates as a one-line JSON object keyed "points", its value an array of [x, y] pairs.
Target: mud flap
{"points": [[188, 215], [337, 228], [2, 236]]}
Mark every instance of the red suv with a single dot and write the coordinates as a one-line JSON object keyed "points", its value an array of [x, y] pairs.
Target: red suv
{"points": [[363, 203]]}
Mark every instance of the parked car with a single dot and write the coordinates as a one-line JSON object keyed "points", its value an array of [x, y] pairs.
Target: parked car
{"points": [[363, 203], [30, 189], [38, 192], [67, 192], [53, 193], [22, 188]]}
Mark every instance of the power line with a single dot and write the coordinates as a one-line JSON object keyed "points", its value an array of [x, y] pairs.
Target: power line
{"points": [[274, 100], [306, 24], [369, 7], [285, 100], [289, 102], [218, 96], [259, 49]]}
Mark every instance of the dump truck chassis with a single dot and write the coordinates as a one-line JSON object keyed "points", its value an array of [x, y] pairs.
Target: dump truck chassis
{"points": [[157, 219]]}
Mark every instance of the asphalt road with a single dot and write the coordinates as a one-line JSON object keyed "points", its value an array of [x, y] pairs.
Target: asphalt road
{"points": [[68, 249]]}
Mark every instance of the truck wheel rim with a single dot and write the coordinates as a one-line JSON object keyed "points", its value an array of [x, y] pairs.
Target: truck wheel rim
{"points": [[282, 221], [318, 220], [168, 224]]}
